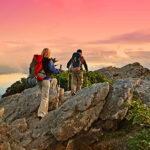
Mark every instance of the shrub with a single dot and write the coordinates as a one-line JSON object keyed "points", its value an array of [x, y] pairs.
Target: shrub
{"points": [[140, 141], [140, 114], [17, 87], [62, 78], [93, 77]]}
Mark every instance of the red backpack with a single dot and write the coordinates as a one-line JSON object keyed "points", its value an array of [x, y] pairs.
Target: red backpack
{"points": [[36, 68]]}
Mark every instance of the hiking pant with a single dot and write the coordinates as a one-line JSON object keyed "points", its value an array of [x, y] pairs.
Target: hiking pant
{"points": [[76, 81], [44, 88]]}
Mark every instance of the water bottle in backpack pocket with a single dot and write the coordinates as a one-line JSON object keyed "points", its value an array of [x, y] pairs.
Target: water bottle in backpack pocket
{"points": [[32, 81]]}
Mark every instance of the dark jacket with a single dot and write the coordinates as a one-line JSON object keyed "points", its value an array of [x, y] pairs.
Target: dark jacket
{"points": [[49, 67], [77, 63]]}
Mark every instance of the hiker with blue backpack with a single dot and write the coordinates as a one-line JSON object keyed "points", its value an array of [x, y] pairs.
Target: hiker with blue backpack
{"points": [[41, 69], [75, 66]]}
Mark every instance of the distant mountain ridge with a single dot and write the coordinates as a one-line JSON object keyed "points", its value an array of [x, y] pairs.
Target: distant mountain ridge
{"points": [[135, 70]]}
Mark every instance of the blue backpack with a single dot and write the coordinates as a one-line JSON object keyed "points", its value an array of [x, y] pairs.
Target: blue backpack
{"points": [[76, 62]]}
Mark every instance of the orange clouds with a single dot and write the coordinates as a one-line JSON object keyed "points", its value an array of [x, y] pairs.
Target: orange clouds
{"points": [[139, 37], [27, 26]]}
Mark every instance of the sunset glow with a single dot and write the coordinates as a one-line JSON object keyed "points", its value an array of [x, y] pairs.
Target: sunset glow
{"points": [[110, 32]]}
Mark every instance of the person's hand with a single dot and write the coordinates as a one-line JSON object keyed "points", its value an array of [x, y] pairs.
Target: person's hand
{"points": [[61, 68]]}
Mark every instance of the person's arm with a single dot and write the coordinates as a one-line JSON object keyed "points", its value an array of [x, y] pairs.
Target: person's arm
{"points": [[69, 63], [52, 67], [85, 65]]}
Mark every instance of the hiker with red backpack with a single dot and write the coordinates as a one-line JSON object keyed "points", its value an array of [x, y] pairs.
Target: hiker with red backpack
{"points": [[41, 69], [75, 66]]}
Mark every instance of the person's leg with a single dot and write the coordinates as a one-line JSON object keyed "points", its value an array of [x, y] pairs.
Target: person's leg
{"points": [[79, 80], [40, 86], [43, 109], [73, 83]]}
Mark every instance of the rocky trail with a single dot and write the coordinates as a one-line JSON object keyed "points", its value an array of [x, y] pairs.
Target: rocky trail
{"points": [[74, 122]]}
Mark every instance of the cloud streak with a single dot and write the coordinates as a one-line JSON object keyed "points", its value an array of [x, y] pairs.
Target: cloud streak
{"points": [[127, 38], [18, 54], [139, 54]]}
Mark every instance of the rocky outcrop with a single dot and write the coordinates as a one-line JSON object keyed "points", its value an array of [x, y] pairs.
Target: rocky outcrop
{"points": [[134, 70], [1, 113], [79, 112], [26, 103], [73, 122], [75, 115], [122, 92], [143, 92]]}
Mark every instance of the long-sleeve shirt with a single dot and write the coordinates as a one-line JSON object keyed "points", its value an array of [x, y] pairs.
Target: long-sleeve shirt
{"points": [[52, 67], [85, 65], [49, 67]]}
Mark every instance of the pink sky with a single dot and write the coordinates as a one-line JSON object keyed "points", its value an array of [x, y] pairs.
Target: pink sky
{"points": [[110, 32]]}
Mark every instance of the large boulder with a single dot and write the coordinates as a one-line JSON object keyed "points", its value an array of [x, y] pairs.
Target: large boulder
{"points": [[75, 115], [122, 91], [80, 111], [143, 92], [135, 70]]}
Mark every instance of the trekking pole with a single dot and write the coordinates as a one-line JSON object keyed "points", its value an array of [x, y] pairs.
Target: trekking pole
{"points": [[59, 82], [59, 79]]}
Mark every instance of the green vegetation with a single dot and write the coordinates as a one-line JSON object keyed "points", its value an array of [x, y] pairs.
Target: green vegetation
{"points": [[93, 77], [62, 78], [140, 141], [140, 115], [17, 87], [123, 131]]}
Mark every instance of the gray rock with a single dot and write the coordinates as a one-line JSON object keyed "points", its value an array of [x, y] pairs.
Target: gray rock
{"points": [[1, 113], [134, 70], [143, 91], [147, 77], [73, 121], [79, 112], [23, 105], [17, 147], [5, 146], [122, 92]]}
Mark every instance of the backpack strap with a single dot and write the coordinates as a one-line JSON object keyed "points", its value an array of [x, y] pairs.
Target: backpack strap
{"points": [[38, 66]]}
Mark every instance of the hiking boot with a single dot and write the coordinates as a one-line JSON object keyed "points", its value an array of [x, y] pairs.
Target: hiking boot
{"points": [[73, 94], [40, 118]]}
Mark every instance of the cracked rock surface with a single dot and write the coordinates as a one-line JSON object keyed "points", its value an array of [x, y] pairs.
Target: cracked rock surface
{"points": [[73, 122]]}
